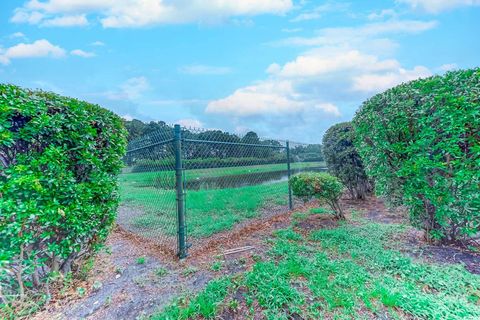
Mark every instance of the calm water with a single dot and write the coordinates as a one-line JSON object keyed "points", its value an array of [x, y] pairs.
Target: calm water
{"points": [[242, 180]]}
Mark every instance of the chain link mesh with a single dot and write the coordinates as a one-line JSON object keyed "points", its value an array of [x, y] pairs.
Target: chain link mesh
{"points": [[227, 179]]}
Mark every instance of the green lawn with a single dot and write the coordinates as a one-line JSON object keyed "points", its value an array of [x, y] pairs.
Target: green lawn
{"points": [[208, 211], [354, 271]]}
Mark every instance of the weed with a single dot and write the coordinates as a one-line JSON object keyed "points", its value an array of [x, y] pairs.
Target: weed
{"points": [[342, 273], [188, 271], [81, 291], [217, 266], [160, 272], [141, 260]]}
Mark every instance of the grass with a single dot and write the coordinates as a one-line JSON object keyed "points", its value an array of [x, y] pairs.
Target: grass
{"points": [[208, 211], [353, 271]]}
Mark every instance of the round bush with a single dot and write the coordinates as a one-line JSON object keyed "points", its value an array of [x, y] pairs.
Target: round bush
{"points": [[420, 141], [343, 160], [324, 187], [59, 158]]}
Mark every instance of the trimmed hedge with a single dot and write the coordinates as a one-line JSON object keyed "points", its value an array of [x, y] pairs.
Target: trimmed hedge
{"points": [[420, 141], [322, 186], [59, 158], [343, 160]]}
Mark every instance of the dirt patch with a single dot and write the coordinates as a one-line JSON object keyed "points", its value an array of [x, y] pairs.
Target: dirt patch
{"points": [[316, 222], [130, 282]]}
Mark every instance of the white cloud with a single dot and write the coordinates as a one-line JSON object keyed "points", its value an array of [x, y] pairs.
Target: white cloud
{"points": [[139, 13], [448, 67], [37, 49], [358, 35], [313, 64], [199, 69], [17, 35], [190, 123], [81, 53], [316, 83], [265, 97], [319, 11], [437, 6], [382, 14], [66, 21], [131, 89], [25, 16], [377, 82], [97, 44]]}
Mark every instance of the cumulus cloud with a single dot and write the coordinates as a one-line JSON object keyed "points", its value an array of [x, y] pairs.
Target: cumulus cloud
{"points": [[376, 82], [136, 13], [320, 62], [81, 53], [318, 80], [199, 69], [437, 6], [37, 49], [66, 21]]}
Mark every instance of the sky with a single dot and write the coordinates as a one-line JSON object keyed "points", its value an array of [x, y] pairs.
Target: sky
{"points": [[287, 69]]}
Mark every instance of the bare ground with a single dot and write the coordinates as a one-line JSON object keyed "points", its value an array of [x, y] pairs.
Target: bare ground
{"points": [[126, 288]]}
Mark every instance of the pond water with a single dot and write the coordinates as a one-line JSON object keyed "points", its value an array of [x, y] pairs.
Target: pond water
{"points": [[243, 180]]}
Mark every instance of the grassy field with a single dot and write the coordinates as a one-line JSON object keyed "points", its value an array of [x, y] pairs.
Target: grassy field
{"points": [[354, 271], [208, 211]]}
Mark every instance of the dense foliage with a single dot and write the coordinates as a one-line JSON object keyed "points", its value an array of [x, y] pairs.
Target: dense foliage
{"points": [[420, 141], [343, 160], [322, 186], [59, 158]]}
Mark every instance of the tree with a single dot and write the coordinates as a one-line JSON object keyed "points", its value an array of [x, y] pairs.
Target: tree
{"points": [[343, 160]]}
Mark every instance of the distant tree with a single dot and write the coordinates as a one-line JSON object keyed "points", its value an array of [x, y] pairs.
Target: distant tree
{"points": [[135, 129]]}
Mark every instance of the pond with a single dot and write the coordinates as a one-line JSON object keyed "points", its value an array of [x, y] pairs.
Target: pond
{"points": [[236, 181]]}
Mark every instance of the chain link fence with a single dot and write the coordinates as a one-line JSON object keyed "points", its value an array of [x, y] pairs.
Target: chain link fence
{"points": [[181, 186]]}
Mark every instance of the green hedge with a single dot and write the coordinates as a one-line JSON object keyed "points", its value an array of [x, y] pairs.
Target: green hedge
{"points": [[420, 141], [343, 160], [59, 158]]}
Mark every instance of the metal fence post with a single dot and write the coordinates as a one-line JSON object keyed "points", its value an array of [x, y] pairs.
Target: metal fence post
{"points": [[177, 145], [290, 202]]}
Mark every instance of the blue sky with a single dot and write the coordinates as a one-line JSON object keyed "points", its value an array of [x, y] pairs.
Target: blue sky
{"points": [[287, 69]]}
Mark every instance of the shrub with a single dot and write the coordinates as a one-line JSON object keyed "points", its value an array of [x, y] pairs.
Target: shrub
{"points": [[59, 158], [322, 186], [343, 160], [420, 141]]}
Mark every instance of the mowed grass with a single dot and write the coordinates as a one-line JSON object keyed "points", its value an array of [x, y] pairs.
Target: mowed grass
{"points": [[146, 179], [208, 211], [354, 271]]}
